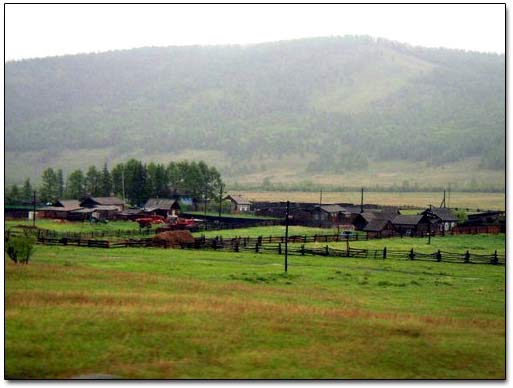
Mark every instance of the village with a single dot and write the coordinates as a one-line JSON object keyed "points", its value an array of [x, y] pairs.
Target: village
{"points": [[374, 220]]}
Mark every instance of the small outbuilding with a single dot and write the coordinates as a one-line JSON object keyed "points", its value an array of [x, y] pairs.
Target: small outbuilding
{"points": [[412, 225], [238, 204], [94, 202], [161, 207], [378, 228]]}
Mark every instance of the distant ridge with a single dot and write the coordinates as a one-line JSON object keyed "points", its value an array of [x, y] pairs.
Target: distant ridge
{"points": [[338, 103]]}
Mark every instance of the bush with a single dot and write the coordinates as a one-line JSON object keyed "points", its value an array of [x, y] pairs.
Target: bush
{"points": [[20, 248]]}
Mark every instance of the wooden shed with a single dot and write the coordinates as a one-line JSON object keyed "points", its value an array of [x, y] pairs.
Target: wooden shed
{"points": [[161, 207], [238, 204]]}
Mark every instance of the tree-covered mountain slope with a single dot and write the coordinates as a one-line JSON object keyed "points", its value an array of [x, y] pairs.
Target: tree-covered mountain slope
{"points": [[338, 104]]}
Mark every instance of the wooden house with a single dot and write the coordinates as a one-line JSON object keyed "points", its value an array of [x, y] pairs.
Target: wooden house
{"points": [[361, 220], [60, 209], [98, 202], [378, 228], [412, 225], [238, 204], [162, 207], [100, 208], [328, 215], [445, 218]]}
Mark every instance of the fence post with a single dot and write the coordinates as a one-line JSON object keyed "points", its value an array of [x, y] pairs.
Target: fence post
{"points": [[411, 255], [304, 239], [256, 247], [315, 238], [236, 246], [384, 252], [438, 256], [302, 249], [279, 248], [327, 251], [495, 259], [467, 257]]}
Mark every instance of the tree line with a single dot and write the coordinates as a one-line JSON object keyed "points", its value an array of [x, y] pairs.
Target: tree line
{"points": [[133, 180]]}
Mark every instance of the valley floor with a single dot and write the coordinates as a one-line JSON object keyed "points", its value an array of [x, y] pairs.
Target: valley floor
{"points": [[154, 313]]}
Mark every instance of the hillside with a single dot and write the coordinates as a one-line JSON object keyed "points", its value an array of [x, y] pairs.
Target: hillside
{"points": [[311, 107]]}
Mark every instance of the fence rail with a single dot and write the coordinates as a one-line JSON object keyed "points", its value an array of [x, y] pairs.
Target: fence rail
{"points": [[276, 245]]}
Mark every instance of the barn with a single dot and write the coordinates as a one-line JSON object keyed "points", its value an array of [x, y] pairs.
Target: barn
{"points": [[412, 225], [60, 209], [238, 204], [161, 207]]}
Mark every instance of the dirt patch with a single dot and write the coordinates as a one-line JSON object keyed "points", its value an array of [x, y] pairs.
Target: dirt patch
{"points": [[173, 239]]}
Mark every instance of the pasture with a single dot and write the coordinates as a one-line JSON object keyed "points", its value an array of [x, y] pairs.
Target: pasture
{"points": [[155, 313], [420, 200]]}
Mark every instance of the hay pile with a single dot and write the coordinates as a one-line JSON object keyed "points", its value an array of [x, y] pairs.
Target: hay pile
{"points": [[173, 239]]}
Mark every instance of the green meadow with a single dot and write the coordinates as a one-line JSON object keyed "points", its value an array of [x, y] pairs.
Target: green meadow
{"points": [[184, 314]]}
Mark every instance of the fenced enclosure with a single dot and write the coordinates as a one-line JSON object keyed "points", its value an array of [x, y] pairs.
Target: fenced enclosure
{"points": [[273, 245]]}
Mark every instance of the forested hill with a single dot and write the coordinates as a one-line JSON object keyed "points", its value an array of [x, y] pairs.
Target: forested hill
{"points": [[343, 102]]}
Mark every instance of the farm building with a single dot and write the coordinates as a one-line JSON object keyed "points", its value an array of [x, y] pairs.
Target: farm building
{"points": [[445, 218], [238, 204], [378, 228], [328, 215], [361, 220], [61, 209], [110, 203], [161, 207], [130, 214], [412, 225], [487, 218]]}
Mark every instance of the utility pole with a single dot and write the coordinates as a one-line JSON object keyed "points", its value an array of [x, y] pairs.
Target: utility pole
{"points": [[220, 200], [449, 196], [34, 210], [205, 208], [361, 202], [443, 201], [287, 234], [320, 199]]}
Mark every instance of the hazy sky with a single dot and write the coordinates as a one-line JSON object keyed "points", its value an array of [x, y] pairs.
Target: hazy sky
{"points": [[44, 30]]}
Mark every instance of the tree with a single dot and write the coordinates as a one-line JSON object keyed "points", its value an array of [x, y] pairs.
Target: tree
{"points": [[92, 182], [117, 176], [13, 196], [75, 187], [49, 188], [135, 182], [60, 184], [20, 248], [105, 182], [27, 193], [157, 185]]}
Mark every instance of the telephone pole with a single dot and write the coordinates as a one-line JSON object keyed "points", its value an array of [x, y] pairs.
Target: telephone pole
{"points": [[34, 210], [361, 202], [287, 234], [220, 200]]}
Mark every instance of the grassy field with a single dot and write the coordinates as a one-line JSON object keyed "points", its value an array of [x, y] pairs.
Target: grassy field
{"points": [[421, 200], [266, 231], [153, 313], [75, 226], [479, 244]]}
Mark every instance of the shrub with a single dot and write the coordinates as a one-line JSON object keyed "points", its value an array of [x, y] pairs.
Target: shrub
{"points": [[20, 248]]}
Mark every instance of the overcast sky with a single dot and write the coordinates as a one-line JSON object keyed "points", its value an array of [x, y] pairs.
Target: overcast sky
{"points": [[46, 30]]}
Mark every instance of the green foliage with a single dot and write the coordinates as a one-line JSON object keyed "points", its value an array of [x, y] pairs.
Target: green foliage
{"points": [[20, 248], [75, 187], [27, 192], [13, 196], [49, 189], [348, 101]]}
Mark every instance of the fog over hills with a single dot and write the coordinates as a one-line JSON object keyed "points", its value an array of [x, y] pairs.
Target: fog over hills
{"points": [[315, 107]]}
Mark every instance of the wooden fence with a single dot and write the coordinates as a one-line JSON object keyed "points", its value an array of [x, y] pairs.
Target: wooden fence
{"points": [[276, 245]]}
